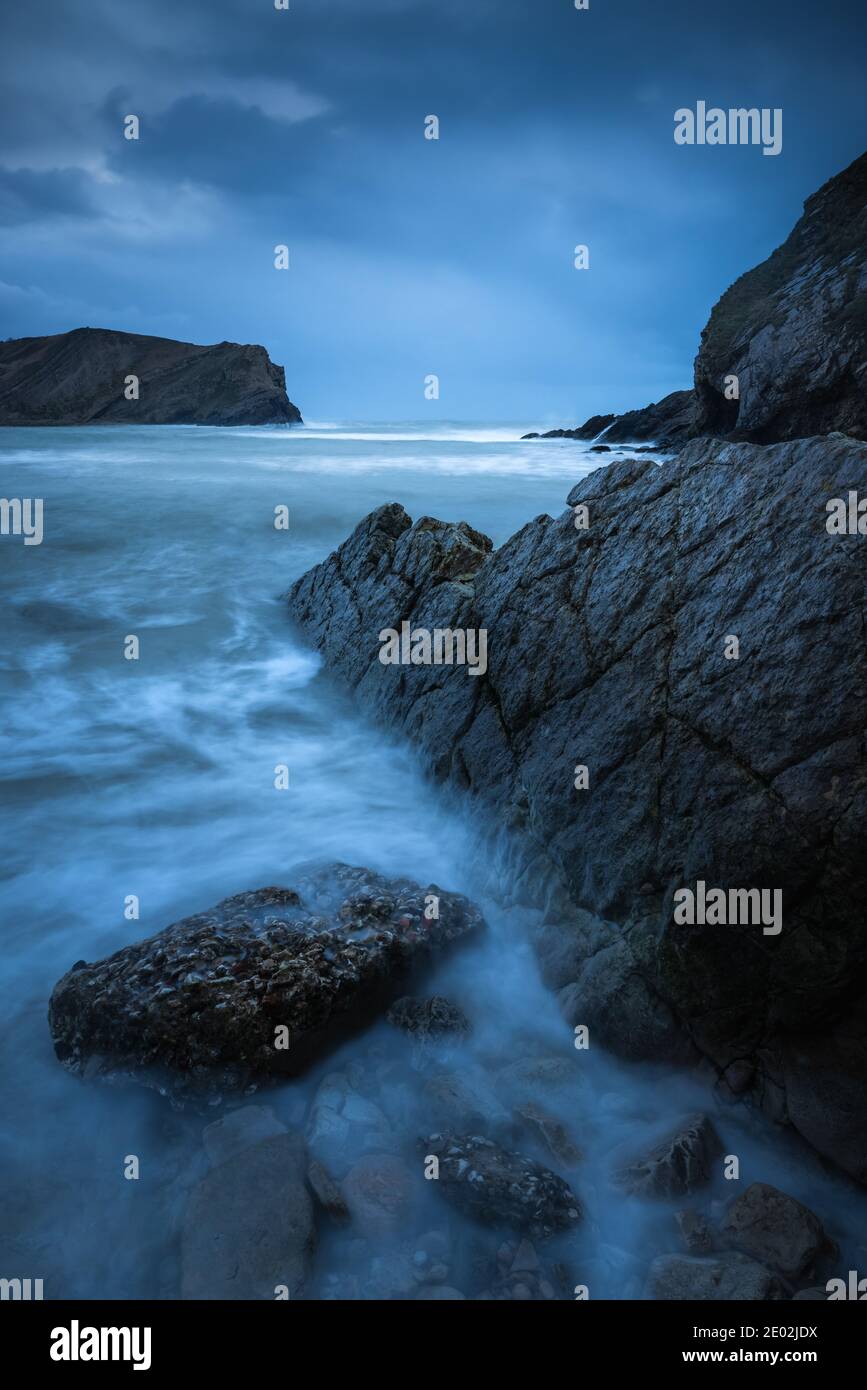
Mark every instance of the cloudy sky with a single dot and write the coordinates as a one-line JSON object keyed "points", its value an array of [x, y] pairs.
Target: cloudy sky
{"points": [[410, 256]]}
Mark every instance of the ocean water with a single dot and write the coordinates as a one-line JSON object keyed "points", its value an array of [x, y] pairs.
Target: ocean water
{"points": [[155, 778]]}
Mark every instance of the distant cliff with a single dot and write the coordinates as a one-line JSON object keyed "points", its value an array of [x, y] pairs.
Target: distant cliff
{"points": [[82, 378], [793, 331]]}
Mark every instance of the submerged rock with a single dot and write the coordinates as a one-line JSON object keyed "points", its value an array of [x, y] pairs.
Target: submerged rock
{"points": [[774, 1228], [249, 1228], [429, 1019], [676, 1166], [716, 1278], [606, 650], [255, 987], [500, 1187]]}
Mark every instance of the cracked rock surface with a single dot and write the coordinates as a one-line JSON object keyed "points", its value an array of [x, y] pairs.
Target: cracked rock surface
{"points": [[606, 649]]}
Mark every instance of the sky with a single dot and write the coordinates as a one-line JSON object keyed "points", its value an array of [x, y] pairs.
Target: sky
{"points": [[410, 257]]}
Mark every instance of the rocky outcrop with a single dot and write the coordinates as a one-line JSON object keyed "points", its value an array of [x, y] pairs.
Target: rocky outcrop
{"points": [[792, 331], [675, 1167], [82, 378], [739, 764], [254, 988]]}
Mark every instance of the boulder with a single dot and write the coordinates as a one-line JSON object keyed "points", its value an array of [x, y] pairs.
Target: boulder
{"points": [[774, 1228], [254, 988], [500, 1187], [248, 1228], [718, 1278]]}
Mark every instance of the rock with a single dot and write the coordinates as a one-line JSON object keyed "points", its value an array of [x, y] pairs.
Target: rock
{"points": [[431, 1018], [720, 1278], [817, 1294], [195, 1011], [327, 1192], [378, 1190], [794, 330], [439, 1292], [549, 1131], [79, 378], [391, 1276], [500, 1187], [341, 1119], [589, 430], [524, 1081], [697, 1236], [724, 539], [675, 1167], [456, 1103], [248, 1226], [774, 1228], [239, 1130]]}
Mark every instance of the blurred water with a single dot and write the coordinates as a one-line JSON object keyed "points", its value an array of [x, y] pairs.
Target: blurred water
{"points": [[155, 778]]}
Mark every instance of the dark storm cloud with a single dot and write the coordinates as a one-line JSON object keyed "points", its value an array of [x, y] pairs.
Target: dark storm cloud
{"points": [[30, 195], [259, 127]]}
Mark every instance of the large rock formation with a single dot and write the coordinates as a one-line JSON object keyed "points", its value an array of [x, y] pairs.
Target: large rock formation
{"points": [[198, 1010], [794, 330], [607, 648], [80, 378], [794, 333]]}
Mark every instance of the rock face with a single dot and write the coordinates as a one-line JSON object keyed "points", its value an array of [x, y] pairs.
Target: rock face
{"points": [[794, 333], [794, 330], [677, 1166], [606, 650], [79, 378], [194, 1011], [500, 1187]]}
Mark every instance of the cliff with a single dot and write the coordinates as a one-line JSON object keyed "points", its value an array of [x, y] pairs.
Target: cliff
{"points": [[81, 378]]}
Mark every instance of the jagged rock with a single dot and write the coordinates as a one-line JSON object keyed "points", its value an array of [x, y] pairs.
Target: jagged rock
{"points": [[605, 647], [794, 330], [551, 1133], [194, 1011], [79, 378], [589, 430], [774, 1228], [677, 1166], [500, 1187], [721, 1278], [248, 1226]]}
